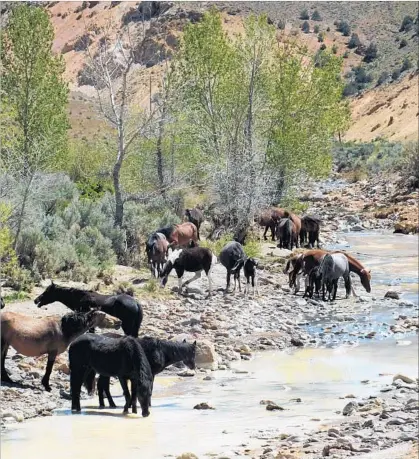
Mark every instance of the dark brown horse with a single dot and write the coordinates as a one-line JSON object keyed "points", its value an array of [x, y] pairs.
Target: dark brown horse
{"points": [[34, 337], [311, 259], [310, 226], [156, 249], [269, 219], [196, 217]]}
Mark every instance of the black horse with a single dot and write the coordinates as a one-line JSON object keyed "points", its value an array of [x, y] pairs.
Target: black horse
{"points": [[122, 306], [160, 354], [121, 357]]}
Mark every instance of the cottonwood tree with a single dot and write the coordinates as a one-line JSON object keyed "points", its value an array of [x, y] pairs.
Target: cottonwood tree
{"points": [[260, 111], [110, 69], [34, 101]]}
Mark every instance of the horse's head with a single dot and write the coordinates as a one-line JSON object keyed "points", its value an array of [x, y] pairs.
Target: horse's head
{"points": [[365, 276], [75, 323], [167, 268], [49, 296], [189, 359]]}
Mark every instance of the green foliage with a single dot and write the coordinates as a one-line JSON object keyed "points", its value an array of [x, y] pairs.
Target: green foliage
{"points": [[323, 47], [281, 24], [407, 24], [253, 248], [345, 55], [354, 42], [217, 245], [395, 75], [350, 89], [334, 49], [304, 15], [305, 27], [384, 76], [35, 94], [407, 64], [320, 37], [316, 28], [409, 166], [344, 28], [371, 53], [316, 16]]}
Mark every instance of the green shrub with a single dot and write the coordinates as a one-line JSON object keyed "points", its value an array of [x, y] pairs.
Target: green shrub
{"points": [[384, 76], [305, 27], [344, 28], [345, 55], [403, 43], [304, 15], [334, 49], [316, 28], [371, 53], [320, 37], [281, 24], [395, 75], [354, 42], [407, 23], [217, 245], [316, 16], [322, 47], [407, 64], [253, 249]]}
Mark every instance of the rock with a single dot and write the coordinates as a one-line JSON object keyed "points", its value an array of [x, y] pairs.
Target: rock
{"points": [[63, 367], [206, 357], [13, 414], [369, 423], [404, 378], [274, 407], [295, 341], [187, 456], [266, 402], [203, 406], [186, 373], [392, 294], [357, 228], [350, 409]]}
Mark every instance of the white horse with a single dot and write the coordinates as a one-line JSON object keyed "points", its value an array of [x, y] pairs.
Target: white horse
{"points": [[332, 267]]}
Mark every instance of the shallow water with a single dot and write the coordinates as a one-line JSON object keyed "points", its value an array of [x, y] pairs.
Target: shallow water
{"points": [[318, 376]]}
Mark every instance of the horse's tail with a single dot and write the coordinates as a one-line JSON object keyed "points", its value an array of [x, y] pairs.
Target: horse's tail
{"points": [[138, 321], [89, 381]]}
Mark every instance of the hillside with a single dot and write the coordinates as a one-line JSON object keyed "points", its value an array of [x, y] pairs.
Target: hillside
{"points": [[77, 28]]}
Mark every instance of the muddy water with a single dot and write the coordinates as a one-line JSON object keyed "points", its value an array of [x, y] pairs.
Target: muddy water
{"points": [[319, 377]]}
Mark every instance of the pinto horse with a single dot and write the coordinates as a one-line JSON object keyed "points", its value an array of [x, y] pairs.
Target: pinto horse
{"points": [[122, 306], [311, 259], [160, 354], [34, 337]]}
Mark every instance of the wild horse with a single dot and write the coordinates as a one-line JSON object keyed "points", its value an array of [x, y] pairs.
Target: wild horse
{"points": [[122, 306]]}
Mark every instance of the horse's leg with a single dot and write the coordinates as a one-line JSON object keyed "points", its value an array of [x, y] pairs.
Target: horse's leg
{"points": [[134, 390], [228, 281], [50, 363], [196, 276], [335, 288], [4, 375], [127, 395], [348, 285], [266, 230], [273, 231], [76, 381], [238, 278]]}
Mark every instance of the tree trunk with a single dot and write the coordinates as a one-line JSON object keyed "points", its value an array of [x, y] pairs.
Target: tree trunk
{"points": [[22, 211], [159, 156], [119, 202]]}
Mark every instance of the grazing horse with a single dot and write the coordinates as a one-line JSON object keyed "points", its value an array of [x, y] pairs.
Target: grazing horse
{"points": [[121, 357], [233, 257], [269, 219], [160, 354], [195, 260], [122, 306], [196, 217], [332, 267], [286, 233], [311, 258], [34, 337], [156, 249], [310, 226]]}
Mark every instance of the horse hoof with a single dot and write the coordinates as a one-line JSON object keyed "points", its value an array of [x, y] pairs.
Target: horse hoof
{"points": [[145, 414]]}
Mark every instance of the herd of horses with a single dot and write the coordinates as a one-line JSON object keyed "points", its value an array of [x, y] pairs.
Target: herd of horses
{"points": [[138, 360]]}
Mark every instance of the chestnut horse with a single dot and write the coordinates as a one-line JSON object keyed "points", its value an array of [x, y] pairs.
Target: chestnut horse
{"points": [[311, 259], [34, 337], [182, 234], [269, 219]]}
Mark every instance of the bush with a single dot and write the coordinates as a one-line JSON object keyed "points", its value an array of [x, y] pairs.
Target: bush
{"points": [[395, 75], [316, 16], [354, 42], [216, 246], [344, 27], [403, 43], [322, 47], [334, 49], [407, 64], [345, 55], [305, 27], [281, 24], [382, 78], [371, 53], [328, 29], [316, 28], [304, 15], [320, 37], [252, 249], [410, 165], [407, 24], [361, 76], [350, 89]]}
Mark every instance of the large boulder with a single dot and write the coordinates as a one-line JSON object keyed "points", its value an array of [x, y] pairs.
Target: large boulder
{"points": [[206, 357]]}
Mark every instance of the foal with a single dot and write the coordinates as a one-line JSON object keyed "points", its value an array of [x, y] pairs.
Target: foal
{"points": [[160, 354], [34, 337], [121, 357]]}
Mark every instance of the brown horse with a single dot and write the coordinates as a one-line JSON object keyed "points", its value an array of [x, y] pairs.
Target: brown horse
{"points": [[196, 217], [156, 249], [269, 219], [310, 226], [34, 337], [311, 259], [182, 234]]}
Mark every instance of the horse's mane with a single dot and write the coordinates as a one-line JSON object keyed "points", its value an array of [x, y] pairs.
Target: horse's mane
{"points": [[70, 321], [352, 260]]}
